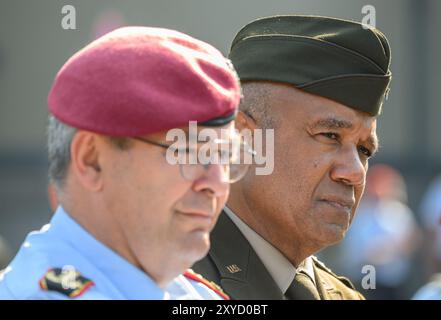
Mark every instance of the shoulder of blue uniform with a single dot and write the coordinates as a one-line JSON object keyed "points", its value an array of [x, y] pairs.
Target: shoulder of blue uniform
{"points": [[56, 283], [35, 270], [5, 293], [205, 283], [20, 279], [332, 281]]}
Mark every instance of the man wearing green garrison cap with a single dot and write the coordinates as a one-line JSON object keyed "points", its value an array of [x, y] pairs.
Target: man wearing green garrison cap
{"points": [[320, 84]]}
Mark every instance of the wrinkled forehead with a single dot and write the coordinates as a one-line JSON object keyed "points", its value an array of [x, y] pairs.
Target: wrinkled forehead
{"points": [[332, 116], [295, 108], [290, 100], [339, 116]]}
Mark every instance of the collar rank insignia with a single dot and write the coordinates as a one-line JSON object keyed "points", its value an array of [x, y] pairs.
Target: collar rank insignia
{"points": [[66, 281], [233, 268], [190, 274]]}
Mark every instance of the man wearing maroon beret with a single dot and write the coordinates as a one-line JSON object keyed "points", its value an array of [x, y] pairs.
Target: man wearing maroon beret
{"points": [[129, 223]]}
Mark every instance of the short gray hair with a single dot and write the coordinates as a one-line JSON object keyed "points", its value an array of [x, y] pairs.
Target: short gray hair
{"points": [[256, 104], [59, 139]]}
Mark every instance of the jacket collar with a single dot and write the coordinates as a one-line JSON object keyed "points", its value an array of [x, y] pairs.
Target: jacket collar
{"points": [[242, 274]]}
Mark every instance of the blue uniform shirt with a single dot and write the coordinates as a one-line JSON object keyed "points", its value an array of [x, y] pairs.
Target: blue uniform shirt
{"points": [[90, 269]]}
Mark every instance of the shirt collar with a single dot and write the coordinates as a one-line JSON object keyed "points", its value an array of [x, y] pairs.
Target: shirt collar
{"points": [[278, 266], [128, 279]]}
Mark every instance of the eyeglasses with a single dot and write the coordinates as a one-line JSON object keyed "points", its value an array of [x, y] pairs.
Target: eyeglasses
{"points": [[232, 156]]}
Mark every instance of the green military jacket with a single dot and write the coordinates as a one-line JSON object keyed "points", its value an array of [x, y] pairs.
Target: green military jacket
{"points": [[234, 265]]}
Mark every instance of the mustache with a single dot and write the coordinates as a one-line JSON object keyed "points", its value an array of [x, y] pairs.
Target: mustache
{"points": [[343, 195]]}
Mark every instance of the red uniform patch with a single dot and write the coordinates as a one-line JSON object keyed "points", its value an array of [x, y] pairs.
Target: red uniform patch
{"points": [[190, 274]]}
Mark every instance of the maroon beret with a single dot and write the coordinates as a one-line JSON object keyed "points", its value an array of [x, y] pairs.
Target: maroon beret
{"points": [[139, 80]]}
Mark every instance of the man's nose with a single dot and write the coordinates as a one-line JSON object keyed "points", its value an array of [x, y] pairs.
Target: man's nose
{"points": [[349, 168], [214, 180]]}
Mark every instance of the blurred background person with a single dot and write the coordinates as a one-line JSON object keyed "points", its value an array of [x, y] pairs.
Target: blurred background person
{"points": [[384, 234], [430, 291], [430, 214]]}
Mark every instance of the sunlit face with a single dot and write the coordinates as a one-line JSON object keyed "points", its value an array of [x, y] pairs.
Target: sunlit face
{"points": [[165, 219], [321, 158]]}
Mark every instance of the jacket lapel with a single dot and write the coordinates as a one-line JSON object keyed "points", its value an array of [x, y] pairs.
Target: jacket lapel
{"points": [[243, 275]]}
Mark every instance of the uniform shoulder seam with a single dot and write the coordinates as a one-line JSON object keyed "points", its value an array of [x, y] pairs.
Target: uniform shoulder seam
{"points": [[342, 279]]}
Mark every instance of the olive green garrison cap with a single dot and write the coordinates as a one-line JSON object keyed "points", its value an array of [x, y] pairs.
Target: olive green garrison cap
{"points": [[332, 58]]}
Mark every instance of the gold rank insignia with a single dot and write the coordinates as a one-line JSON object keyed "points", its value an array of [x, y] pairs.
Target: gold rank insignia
{"points": [[233, 268], [66, 281]]}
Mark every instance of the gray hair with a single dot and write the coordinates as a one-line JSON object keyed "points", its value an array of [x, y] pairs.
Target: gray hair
{"points": [[59, 139], [255, 104]]}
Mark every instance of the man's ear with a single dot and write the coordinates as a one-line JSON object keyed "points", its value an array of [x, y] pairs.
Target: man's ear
{"points": [[85, 160], [244, 121]]}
